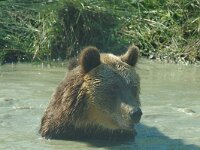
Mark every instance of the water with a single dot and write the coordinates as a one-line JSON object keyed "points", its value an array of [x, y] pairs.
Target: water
{"points": [[170, 97]]}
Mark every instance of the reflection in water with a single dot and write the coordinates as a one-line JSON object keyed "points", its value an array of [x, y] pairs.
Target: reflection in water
{"points": [[170, 103]]}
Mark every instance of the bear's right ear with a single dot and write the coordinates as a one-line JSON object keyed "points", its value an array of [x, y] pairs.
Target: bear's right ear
{"points": [[89, 58], [131, 56]]}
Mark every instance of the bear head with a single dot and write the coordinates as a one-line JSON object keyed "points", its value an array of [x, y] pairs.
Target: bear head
{"points": [[99, 97]]}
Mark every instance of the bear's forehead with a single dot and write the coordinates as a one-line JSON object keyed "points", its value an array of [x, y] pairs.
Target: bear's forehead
{"points": [[111, 59], [116, 63], [114, 68], [106, 58]]}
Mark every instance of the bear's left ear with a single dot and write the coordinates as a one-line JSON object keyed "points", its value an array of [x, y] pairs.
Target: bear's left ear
{"points": [[89, 58], [131, 56]]}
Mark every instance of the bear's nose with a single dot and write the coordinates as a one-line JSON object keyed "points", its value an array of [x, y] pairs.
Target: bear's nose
{"points": [[136, 115]]}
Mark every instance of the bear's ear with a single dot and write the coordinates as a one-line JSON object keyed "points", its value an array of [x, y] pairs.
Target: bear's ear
{"points": [[89, 58], [131, 56]]}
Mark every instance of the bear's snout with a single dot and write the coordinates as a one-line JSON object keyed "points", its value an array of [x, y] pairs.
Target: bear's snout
{"points": [[136, 115]]}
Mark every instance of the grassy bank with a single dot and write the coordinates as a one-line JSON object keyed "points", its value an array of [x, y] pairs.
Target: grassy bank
{"points": [[49, 30]]}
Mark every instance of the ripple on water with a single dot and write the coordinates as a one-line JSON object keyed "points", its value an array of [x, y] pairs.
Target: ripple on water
{"points": [[187, 111]]}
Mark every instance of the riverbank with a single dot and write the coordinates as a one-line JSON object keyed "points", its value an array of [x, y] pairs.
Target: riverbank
{"points": [[57, 30]]}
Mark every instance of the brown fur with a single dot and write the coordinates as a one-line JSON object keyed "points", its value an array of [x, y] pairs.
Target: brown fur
{"points": [[131, 56], [89, 58], [95, 99], [66, 105], [72, 63]]}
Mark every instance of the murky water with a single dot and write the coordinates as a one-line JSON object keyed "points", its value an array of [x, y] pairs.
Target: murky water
{"points": [[170, 97]]}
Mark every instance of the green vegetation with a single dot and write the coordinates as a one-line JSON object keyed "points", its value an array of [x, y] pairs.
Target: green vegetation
{"points": [[41, 30]]}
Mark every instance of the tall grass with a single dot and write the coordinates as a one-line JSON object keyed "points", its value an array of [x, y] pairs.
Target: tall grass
{"points": [[25, 30], [168, 30], [53, 29]]}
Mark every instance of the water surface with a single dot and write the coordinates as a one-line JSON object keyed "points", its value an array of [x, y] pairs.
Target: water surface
{"points": [[170, 97]]}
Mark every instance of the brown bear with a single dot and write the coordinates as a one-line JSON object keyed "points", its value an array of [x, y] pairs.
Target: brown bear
{"points": [[98, 98]]}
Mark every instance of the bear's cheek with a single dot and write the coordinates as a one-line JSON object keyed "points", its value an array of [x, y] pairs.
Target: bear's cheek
{"points": [[97, 115]]}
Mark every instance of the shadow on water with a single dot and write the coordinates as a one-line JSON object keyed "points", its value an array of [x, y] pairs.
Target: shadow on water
{"points": [[148, 138]]}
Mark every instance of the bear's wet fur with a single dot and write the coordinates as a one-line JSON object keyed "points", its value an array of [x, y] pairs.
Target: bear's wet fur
{"points": [[83, 105]]}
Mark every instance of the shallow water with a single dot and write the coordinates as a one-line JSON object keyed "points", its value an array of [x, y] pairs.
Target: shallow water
{"points": [[170, 97]]}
